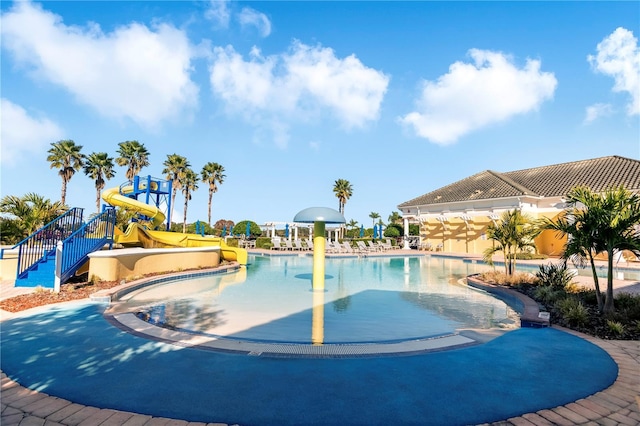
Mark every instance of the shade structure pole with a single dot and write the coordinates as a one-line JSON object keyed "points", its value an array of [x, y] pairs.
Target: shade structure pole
{"points": [[317, 320], [318, 255]]}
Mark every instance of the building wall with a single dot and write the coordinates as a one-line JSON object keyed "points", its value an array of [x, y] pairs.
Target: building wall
{"points": [[454, 235]]}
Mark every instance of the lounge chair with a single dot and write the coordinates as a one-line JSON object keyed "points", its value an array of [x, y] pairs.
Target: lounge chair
{"points": [[289, 246], [310, 243], [297, 244], [374, 246], [347, 247], [276, 245], [363, 247]]}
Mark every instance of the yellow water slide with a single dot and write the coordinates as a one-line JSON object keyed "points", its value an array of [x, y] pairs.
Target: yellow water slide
{"points": [[136, 235]]}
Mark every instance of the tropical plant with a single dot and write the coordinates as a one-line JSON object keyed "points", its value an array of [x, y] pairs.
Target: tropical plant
{"points": [[99, 166], [374, 216], [395, 217], [188, 183], [66, 156], [134, 156], [174, 168], [512, 233], [599, 223], [27, 214], [212, 174], [343, 191], [554, 275]]}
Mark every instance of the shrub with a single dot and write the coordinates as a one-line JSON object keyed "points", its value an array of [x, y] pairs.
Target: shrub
{"points": [[517, 278], [554, 275], [263, 243], [573, 311], [616, 328], [530, 256]]}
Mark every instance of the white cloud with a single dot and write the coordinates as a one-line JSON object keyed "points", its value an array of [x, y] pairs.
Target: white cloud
{"points": [[218, 12], [22, 134], [250, 17], [297, 85], [619, 57], [133, 72], [596, 111], [474, 95]]}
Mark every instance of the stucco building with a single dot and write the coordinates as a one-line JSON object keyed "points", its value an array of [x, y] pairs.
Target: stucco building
{"points": [[455, 217]]}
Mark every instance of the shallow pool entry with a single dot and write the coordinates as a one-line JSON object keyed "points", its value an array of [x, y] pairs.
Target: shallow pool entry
{"points": [[370, 300]]}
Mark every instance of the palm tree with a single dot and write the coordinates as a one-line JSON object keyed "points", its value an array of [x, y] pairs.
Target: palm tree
{"points": [[599, 223], [212, 174], [188, 183], [513, 233], [31, 212], [374, 216], [343, 190], [174, 168], [395, 217], [99, 166], [134, 156], [66, 156]]}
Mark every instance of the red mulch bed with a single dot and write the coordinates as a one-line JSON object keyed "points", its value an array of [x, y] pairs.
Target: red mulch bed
{"points": [[41, 297]]}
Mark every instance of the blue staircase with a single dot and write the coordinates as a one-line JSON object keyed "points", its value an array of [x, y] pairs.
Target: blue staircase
{"points": [[37, 253]]}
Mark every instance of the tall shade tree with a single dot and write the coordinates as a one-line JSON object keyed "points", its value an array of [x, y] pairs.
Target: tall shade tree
{"points": [[67, 157], [175, 166], [343, 191], [513, 233], [28, 213], [134, 156], [188, 183], [212, 174], [599, 223], [99, 166], [374, 216]]}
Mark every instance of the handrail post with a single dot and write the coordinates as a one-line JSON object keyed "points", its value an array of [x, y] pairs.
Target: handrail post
{"points": [[56, 283]]}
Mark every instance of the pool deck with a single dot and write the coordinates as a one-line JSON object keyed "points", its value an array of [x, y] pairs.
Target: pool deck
{"points": [[619, 404]]}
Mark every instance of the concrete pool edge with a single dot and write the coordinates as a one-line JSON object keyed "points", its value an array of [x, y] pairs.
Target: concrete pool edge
{"points": [[130, 323]]}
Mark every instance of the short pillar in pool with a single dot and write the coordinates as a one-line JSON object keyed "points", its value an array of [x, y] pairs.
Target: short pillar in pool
{"points": [[319, 216]]}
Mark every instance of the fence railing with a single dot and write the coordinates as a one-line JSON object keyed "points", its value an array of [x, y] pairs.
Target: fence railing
{"points": [[43, 242], [92, 236]]}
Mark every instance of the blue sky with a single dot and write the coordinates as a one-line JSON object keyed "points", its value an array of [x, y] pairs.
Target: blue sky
{"points": [[398, 98]]}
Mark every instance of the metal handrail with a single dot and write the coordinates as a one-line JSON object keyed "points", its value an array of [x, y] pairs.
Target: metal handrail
{"points": [[42, 242], [93, 235]]}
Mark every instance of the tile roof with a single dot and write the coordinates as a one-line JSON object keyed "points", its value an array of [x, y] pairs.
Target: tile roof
{"points": [[556, 180]]}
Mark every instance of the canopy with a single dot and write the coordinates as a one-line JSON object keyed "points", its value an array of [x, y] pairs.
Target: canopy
{"points": [[319, 214]]}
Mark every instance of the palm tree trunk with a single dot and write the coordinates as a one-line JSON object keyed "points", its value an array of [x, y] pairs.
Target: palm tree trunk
{"points": [[173, 200], [210, 197], [596, 282], [63, 194], [184, 220], [97, 200], [609, 308]]}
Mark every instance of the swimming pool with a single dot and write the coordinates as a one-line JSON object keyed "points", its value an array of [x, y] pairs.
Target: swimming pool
{"points": [[374, 299]]}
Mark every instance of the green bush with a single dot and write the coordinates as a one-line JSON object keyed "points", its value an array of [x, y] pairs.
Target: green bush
{"points": [[240, 229], [392, 232], [264, 243], [573, 311], [554, 275], [616, 328]]}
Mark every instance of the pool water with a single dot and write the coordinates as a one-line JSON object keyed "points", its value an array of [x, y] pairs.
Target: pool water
{"points": [[366, 300]]}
